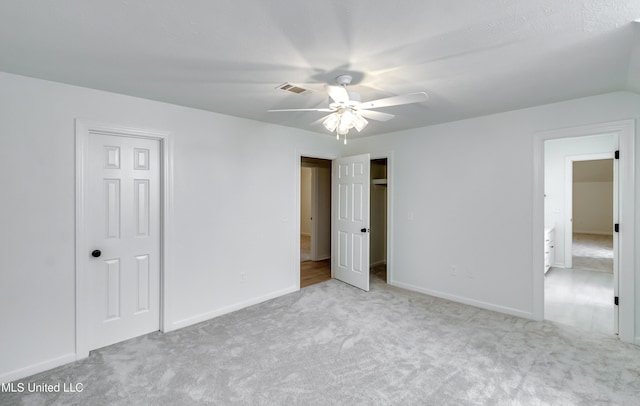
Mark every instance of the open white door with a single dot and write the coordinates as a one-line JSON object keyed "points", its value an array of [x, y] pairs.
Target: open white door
{"points": [[616, 252], [350, 241]]}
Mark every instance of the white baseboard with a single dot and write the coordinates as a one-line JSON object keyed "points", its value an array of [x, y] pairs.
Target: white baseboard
{"points": [[71, 357], [609, 233], [464, 300], [322, 257], [37, 368], [381, 262], [231, 308]]}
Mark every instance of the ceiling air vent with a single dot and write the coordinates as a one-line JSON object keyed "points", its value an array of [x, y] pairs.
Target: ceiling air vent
{"points": [[290, 87]]}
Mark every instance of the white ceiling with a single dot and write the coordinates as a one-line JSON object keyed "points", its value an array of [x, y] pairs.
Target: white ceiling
{"points": [[472, 57]]}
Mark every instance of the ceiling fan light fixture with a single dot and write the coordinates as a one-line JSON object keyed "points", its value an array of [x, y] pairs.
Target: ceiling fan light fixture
{"points": [[342, 130], [347, 116], [343, 120], [345, 125], [346, 108], [331, 122], [359, 122]]}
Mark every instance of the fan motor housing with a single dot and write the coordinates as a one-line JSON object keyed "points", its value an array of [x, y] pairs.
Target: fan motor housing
{"points": [[344, 80]]}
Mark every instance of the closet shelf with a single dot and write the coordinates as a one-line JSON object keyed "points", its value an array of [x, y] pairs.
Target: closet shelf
{"points": [[379, 182]]}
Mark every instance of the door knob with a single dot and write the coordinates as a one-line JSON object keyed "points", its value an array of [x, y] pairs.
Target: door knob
{"points": [[96, 253]]}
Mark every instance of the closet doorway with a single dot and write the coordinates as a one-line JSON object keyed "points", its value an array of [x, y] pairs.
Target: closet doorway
{"points": [[378, 219], [315, 220]]}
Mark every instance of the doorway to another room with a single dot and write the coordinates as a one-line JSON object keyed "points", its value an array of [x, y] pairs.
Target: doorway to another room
{"points": [[592, 232], [315, 221], [580, 280]]}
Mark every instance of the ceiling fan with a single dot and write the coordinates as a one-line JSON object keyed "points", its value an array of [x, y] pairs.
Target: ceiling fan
{"points": [[347, 111]]}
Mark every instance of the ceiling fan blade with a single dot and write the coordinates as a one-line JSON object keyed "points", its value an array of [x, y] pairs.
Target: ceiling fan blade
{"points": [[395, 101], [338, 93], [321, 119], [324, 110], [376, 115]]}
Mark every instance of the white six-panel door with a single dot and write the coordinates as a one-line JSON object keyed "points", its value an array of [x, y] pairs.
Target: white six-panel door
{"points": [[123, 224], [351, 185], [616, 245]]}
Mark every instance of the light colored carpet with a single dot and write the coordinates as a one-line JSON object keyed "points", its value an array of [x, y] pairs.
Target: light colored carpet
{"points": [[593, 252], [332, 344]]}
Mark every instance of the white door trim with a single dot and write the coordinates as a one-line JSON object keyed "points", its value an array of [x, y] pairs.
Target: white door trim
{"points": [[314, 214], [84, 129], [626, 200]]}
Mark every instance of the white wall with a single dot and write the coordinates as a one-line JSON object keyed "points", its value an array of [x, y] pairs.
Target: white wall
{"points": [[234, 189], [463, 200], [593, 196], [556, 153], [305, 200], [323, 215], [593, 207]]}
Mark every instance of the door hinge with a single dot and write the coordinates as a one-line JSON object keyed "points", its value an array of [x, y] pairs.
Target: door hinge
{"points": [[615, 300], [617, 155], [616, 228]]}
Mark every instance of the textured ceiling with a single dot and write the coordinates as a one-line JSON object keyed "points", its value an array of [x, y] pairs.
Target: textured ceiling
{"points": [[472, 57]]}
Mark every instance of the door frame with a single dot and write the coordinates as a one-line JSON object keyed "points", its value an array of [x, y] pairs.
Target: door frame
{"points": [[83, 130], [314, 214], [298, 156], [626, 216], [568, 200], [388, 155], [390, 185]]}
